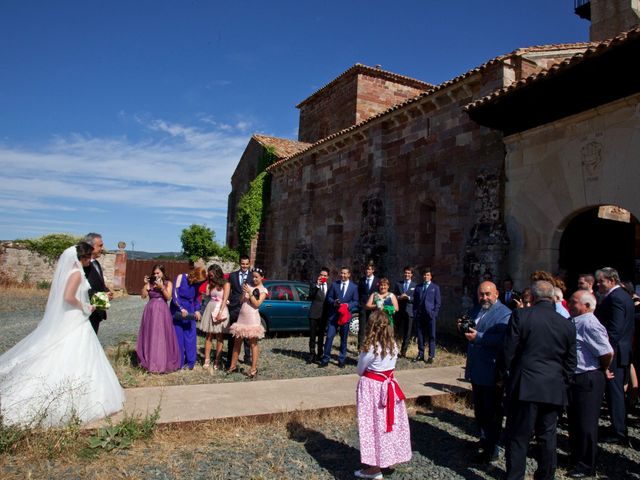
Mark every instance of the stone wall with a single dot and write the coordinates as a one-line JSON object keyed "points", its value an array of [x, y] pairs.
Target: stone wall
{"points": [[358, 94], [28, 267], [417, 188], [560, 169]]}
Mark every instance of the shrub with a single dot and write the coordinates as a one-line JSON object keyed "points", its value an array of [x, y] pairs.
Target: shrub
{"points": [[122, 435], [50, 246]]}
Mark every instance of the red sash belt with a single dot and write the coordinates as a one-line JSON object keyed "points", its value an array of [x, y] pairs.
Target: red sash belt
{"points": [[388, 391]]}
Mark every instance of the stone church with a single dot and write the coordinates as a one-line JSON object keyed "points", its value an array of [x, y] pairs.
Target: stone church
{"points": [[529, 161]]}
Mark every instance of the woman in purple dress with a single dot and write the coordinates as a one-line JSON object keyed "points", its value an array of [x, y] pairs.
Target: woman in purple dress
{"points": [[185, 308], [157, 346]]}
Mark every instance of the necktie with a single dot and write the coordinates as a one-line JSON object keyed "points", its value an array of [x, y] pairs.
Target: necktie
{"points": [[342, 288], [369, 283], [406, 287]]}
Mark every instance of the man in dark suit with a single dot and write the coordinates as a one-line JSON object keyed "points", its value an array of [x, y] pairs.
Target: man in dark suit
{"points": [[426, 305], [367, 285], [508, 294], [616, 312], [404, 291], [95, 277], [318, 314], [486, 340], [237, 279], [539, 359], [340, 292]]}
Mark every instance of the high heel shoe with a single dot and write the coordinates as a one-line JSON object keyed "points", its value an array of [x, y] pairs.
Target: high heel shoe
{"points": [[232, 370], [252, 375]]}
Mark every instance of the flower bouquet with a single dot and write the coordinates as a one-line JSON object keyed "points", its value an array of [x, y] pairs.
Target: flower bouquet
{"points": [[100, 300]]}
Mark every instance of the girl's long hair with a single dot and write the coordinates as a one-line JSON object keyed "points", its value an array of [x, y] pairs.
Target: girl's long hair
{"points": [[218, 279], [197, 275], [379, 334]]}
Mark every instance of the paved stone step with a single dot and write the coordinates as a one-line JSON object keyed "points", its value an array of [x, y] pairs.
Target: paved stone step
{"points": [[191, 403]]}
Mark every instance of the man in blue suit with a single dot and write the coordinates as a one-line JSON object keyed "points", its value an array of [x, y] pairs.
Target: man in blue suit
{"points": [[486, 339], [343, 291], [426, 305]]}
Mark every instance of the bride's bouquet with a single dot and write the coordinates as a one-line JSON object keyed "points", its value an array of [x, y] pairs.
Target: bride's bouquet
{"points": [[100, 300]]}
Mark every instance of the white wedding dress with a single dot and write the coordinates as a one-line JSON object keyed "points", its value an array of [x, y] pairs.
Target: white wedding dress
{"points": [[60, 369]]}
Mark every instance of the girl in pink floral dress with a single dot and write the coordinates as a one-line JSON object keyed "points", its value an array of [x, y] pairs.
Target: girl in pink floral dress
{"points": [[383, 424]]}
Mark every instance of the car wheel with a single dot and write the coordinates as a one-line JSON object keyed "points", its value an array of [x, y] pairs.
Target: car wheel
{"points": [[354, 325]]}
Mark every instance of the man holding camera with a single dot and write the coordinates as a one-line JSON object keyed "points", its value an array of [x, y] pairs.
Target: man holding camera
{"points": [[485, 328]]}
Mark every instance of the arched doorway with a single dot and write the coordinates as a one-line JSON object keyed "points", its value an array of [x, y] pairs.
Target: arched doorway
{"points": [[590, 242]]}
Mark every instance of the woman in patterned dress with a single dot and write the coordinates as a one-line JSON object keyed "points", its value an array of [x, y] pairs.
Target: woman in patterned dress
{"points": [[383, 424]]}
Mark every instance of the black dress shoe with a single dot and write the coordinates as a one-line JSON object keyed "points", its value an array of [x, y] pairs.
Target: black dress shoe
{"points": [[429, 360], [340, 364], [323, 364], [311, 358], [419, 358]]}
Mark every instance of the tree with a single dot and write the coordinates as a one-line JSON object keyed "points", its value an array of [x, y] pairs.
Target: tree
{"points": [[198, 242]]}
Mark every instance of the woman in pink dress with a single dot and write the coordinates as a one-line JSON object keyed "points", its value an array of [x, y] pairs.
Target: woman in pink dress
{"points": [[383, 424], [214, 318], [249, 324], [157, 346]]}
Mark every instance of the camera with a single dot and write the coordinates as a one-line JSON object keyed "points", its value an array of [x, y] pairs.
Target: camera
{"points": [[513, 301], [152, 279], [465, 322]]}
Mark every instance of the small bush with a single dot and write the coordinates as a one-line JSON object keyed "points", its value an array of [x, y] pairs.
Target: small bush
{"points": [[122, 435], [50, 246], [43, 285]]}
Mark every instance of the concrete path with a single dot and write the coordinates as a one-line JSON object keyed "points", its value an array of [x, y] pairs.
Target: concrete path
{"points": [[190, 403]]}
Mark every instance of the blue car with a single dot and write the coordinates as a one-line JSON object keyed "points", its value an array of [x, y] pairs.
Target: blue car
{"points": [[286, 308]]}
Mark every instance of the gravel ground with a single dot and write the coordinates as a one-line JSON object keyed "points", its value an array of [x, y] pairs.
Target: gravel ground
{"points": [[321, 445], [309, 446], [280, 357]]}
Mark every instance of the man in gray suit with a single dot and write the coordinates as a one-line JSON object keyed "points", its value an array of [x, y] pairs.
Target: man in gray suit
{"points": [[486, 339], [318, 314]]}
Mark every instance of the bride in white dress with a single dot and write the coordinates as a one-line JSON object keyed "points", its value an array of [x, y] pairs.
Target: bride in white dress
{"points": [[60, 369]]}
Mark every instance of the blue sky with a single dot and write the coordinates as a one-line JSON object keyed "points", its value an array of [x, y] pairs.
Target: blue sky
{"points": [[129, 117]]}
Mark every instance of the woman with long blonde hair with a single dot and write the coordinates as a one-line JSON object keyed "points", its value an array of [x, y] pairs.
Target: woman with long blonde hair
{"points": [[383, 424]]}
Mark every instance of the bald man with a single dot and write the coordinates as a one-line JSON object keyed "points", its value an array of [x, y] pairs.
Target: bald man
{"points": [[485, 344]]}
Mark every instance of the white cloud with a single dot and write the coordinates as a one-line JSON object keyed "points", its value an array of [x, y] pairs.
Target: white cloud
{"points": [[180, 170]]}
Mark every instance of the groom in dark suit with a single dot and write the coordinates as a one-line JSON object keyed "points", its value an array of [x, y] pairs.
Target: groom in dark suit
{"points": [[237, 279], [341, 292], [95, 277]]}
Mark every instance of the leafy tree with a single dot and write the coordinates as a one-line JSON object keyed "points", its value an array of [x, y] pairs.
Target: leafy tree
{"points": [[198, 241]]}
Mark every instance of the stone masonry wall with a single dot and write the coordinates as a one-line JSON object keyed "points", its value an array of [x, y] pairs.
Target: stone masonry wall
{"points": [[375, 95], [330, 112], [401, 192], [28, 267]]}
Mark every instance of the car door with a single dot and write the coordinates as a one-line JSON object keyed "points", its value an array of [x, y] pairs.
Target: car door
{"points": [[279, 308]]}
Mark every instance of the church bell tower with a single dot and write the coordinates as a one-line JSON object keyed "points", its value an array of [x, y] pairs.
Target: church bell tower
{"points": [[608, 17]]}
